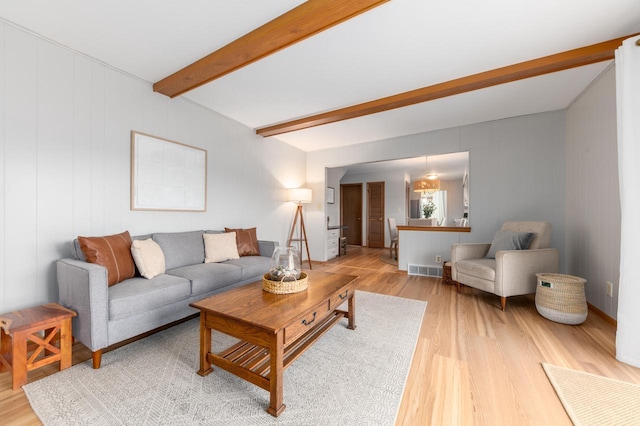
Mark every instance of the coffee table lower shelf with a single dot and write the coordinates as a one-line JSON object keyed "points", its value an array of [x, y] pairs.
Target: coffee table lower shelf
{"points": [[252, 362]]}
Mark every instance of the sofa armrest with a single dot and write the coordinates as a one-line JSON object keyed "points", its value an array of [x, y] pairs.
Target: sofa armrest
{"points": [[83, 288], [267, 247], [516, 269]]}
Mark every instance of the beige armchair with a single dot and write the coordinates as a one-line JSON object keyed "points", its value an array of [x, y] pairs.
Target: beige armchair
{"points": [[512, 272]]}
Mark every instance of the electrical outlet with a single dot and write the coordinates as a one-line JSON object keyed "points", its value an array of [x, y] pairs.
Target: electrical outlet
{"points": [[609, 289], [438, 258]]}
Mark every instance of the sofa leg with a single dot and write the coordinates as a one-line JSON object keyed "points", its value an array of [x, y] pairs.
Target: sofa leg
{"points": [[503, 302], [97, 359], [458, 285]]}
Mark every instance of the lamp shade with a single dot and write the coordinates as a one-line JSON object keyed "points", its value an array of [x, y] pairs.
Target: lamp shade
{"points": [[427, 185], [300, 195]]}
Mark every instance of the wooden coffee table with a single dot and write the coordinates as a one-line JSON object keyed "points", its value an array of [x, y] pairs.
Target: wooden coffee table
{"points": [[274, 329]]}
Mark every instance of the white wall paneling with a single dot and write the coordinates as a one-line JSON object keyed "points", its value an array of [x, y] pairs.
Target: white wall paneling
{"points": [[20, 185], [593, 197], [65, 123], [54, 161], [3, 203]]}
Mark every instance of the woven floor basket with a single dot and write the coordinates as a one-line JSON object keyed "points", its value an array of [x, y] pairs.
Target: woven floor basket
{"points": [[284, 287], [561, 298]]}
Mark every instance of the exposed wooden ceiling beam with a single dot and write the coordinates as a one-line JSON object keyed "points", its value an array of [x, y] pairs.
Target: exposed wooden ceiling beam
{"points": [[309, 18], [561, 61]]}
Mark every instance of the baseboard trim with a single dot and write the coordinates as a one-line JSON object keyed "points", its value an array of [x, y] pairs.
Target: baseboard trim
{"points": [[604, 316]]}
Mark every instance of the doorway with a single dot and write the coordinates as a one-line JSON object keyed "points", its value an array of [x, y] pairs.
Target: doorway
{"points": [[375, 214], [351, 212]]}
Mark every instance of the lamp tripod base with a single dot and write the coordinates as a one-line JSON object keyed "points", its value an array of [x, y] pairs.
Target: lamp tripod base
{"points": [[303, 233]]}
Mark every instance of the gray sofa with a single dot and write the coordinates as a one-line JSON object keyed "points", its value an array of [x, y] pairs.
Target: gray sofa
{"points": [[109, 315]]}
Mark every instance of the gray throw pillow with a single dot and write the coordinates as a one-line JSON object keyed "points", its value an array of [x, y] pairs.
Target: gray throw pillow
{"points": [[509, 240]]}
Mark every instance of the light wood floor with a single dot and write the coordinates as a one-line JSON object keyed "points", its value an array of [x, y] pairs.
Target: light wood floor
{"points": [[474, 364]]}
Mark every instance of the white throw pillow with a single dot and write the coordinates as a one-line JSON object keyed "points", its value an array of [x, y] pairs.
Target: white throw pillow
{"points": [[220, 247], [149, 257]]}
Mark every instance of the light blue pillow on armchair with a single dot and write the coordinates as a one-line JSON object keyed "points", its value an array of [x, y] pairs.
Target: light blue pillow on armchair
{"points": [[509, 240]]}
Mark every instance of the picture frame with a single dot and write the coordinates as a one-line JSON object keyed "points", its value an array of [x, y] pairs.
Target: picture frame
{"points": [[330, 195], [167, 175]]}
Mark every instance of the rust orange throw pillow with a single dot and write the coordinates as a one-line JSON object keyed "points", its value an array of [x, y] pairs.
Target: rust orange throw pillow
{"points": [[246, 240], [113, 252]]}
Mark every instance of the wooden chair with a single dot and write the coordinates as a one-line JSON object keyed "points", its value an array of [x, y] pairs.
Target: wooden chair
{"points": [[393, 234]]}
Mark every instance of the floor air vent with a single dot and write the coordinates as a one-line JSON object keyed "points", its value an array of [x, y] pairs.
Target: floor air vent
{"points": [[425, 270]]}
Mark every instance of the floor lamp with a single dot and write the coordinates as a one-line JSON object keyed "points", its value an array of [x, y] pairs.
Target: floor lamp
{"points": [[300, 196]]}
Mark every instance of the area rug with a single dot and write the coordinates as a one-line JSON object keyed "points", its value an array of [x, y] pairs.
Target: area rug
{"points": [[388, 259], [595, 400], [347, 377]]}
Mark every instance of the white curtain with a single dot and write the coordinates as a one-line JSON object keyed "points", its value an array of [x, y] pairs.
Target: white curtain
{"points": [[628, 112]]}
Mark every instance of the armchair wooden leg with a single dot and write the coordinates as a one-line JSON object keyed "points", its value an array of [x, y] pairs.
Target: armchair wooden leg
{"points": [[458, 286], [97, 359], [503, 302]]}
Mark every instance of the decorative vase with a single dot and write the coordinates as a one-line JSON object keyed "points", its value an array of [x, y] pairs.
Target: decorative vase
{"points": [[285, 264]]}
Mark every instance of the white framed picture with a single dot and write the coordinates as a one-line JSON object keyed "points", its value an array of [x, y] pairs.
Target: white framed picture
{"points": [[330, 195], [167, 175]]}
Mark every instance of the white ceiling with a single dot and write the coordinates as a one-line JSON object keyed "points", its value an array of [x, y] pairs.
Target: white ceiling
{"points": [[399, 46]]}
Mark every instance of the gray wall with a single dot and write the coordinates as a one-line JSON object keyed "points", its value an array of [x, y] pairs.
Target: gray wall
{"points": [[516, 172], [593, 197], [65, 123]]}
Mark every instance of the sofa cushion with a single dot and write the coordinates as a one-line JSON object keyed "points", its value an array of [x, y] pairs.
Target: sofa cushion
{"points": [[246, 240], [111, 251], [252, 266], [181, 248], [206, 277], [137, 295], [509, 240], [480, 268], [148, 257], [77, 253], [220, 247]]}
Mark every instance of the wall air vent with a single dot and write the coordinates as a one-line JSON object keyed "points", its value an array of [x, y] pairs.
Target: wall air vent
{"points": [[425, 270]]}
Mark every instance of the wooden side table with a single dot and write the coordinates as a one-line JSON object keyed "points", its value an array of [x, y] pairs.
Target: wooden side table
{"points": [[19, 327]]}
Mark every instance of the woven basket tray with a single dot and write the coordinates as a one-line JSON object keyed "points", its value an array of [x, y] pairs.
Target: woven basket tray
{"points": [[284, 287]]}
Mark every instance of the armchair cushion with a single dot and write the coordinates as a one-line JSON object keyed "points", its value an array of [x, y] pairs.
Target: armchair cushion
{"points": [[481, 268], [509, 240]]}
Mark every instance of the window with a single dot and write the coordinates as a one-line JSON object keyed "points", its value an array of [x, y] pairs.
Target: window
{"points": [[439, 199]]}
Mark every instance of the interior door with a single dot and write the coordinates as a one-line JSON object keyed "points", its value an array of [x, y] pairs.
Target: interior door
{"points": [[351, 212], [375, 214]]}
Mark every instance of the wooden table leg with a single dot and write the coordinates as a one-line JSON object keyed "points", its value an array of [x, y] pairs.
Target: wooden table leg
{"points": [[205, 347], [65, 344], [19, 367], [276, 375], [352, 312], [5, 351]]}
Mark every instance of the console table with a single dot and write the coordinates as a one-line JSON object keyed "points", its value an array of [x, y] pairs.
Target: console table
{"points": [[333, 240]]}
